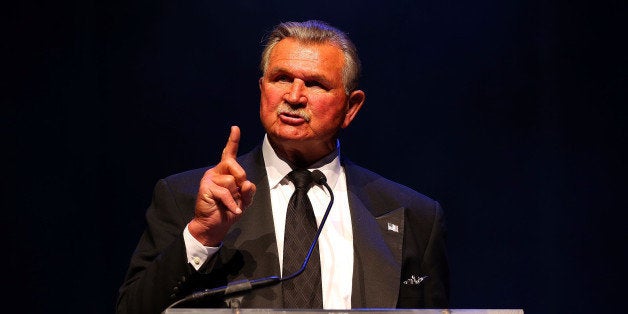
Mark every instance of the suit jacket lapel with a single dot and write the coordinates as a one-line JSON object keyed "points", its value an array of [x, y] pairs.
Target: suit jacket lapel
{"points": [[377, 265]]}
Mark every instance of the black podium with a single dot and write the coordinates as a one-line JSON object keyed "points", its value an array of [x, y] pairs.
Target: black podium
{"points": [[358, 311]]}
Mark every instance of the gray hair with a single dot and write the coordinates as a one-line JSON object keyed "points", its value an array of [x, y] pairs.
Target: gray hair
{"points": [[317, 32]]}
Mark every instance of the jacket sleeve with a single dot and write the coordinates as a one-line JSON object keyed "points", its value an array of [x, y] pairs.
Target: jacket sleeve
{"points": [[435, 264], [158, 270], [425, 268]]}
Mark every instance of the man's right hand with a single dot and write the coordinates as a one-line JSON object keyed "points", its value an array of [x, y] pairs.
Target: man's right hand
{"points": [[223, 194]]}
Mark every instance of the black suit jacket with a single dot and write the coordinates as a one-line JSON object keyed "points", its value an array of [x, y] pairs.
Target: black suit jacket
{"points": [[398, 236]]}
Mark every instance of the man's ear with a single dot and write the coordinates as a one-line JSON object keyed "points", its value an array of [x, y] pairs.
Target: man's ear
{"points": [[354, 104]]}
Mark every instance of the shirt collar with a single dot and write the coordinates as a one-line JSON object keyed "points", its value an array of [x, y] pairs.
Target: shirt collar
{"points": [[277, 169]]}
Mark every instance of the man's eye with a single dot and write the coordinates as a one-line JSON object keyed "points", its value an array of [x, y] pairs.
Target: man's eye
{"points": [[282, 78]]}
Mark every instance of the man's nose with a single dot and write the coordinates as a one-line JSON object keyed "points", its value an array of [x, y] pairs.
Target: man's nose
{"points": [[296, 93]]}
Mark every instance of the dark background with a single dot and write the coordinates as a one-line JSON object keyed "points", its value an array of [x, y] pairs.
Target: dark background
{"points": [[510, 113]]}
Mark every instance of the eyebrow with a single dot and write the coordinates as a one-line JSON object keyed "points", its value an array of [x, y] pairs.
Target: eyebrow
{"points": [[307, 78]]}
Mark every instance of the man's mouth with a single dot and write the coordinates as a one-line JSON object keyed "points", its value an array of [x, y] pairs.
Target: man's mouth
{"points": [[292, 116]]}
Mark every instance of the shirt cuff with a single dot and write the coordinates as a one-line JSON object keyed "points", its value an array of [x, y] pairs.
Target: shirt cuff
{"points": [[196, 252]]}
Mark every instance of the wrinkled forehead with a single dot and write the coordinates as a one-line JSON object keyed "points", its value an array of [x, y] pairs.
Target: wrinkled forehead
{"points": [[293, 53]]}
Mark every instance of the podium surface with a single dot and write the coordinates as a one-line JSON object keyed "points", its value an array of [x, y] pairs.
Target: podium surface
{"points": [[356, 311]]}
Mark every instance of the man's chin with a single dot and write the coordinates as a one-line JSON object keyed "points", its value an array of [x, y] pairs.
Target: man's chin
{"points": [[291, 133], [281, 138]]}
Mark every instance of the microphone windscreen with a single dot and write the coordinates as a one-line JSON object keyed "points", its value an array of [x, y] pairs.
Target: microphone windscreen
{"points": [[319, 177]]}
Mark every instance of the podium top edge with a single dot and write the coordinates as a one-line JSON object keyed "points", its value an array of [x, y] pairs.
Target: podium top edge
{"points": [[353, 311]]}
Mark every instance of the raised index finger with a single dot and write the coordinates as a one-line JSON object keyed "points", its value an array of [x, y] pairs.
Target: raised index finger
{"points": [[231, 149]]}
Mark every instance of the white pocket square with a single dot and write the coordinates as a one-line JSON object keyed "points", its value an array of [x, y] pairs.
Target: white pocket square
{"points": [[414, 280]]}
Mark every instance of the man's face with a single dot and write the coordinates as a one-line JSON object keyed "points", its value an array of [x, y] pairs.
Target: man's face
{"points": [[303, 100]]}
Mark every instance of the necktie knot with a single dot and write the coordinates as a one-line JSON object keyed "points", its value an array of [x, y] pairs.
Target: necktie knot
{"points": [[302, 178]]}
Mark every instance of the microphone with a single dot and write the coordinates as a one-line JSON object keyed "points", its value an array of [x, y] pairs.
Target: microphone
{"points": [[247, 285], [320, 178]]}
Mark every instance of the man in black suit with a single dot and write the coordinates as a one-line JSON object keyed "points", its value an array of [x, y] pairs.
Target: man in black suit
{"points": [[383, 243]]}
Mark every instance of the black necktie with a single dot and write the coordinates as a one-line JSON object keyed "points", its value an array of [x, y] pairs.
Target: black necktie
{"points": [[305, 290]]}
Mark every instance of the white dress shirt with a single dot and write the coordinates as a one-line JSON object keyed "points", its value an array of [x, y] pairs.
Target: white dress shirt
{"points": [[336, 238]]}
